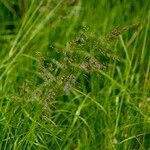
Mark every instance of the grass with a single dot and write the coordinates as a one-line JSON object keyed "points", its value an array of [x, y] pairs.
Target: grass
{"points": [[74, 74]]}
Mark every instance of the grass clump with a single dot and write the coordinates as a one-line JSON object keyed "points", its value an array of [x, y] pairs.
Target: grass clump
{"points": [[74, 74]]}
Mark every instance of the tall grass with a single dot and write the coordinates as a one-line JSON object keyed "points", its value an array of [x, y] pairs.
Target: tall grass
{"points": [[74, 74]]}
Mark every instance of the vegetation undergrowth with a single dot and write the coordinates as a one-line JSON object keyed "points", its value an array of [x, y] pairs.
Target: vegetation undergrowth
{"points": [[74, 74]]}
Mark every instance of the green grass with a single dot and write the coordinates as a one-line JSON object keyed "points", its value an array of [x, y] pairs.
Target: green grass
{"points": [[74, 75]]}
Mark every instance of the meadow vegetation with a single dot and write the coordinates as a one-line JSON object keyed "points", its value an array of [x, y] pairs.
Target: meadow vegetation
{"points": [[74, 74]]}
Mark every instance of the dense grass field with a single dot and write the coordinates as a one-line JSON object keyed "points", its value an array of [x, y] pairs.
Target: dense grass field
{"points": [[75, 75]]}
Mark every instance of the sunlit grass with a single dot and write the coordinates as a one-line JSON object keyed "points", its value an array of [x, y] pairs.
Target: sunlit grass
{"points": [[74, 75]]}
